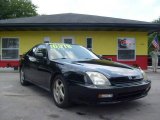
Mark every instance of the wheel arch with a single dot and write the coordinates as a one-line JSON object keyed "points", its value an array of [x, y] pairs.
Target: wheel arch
{"points": [[52, 78]]}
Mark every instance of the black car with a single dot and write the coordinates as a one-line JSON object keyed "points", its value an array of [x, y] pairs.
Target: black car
{"points": [[74, 74]]}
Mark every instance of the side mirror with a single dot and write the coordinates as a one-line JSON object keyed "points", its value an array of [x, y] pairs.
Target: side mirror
{"points": [[99, 56], [39, 55]]}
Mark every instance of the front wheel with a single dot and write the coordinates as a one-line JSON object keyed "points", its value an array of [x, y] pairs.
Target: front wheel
{"points": [[22, 78], [60, 92]]}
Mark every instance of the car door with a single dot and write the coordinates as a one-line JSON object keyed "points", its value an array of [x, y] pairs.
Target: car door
{"points": [[42, 68], [29, 65]]}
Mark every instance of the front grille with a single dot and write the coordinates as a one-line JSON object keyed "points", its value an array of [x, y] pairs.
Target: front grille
{"points": [[128, 95], [121, 80]]}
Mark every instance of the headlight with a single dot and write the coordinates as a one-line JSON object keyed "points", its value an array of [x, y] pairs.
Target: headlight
{"points": [[144, 75], [98, 78]]}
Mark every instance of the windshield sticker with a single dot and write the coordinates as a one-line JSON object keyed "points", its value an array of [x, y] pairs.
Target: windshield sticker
{"points": [[58, 46]]}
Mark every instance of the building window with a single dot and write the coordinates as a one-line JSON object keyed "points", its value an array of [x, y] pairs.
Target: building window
{"points": [[10, 49], [68, 40], [126, 49], [89, 43]]}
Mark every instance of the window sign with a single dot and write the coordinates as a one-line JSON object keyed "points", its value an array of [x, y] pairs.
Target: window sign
{"points": [[126, 48], [10, 49]]}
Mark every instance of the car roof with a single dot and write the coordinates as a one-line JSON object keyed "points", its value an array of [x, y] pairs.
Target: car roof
{"points": [[52, 43], [59, 43], [47, 44]]}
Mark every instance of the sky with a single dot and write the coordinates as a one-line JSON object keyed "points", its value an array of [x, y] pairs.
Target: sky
{"points": [[143, 10]]}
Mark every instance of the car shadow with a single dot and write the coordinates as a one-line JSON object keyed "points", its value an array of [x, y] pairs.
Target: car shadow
{"points": [[109, 109], [103, 111], [38, 91]]}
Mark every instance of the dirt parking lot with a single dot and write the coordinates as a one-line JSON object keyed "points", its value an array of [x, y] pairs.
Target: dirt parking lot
{"points": [[32, 103]]}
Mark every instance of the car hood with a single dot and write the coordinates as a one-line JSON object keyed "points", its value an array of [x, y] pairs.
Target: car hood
{"points": [[108, 68]]}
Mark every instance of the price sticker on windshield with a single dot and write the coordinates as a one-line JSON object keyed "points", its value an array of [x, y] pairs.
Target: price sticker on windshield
{"points": [[60, 45]]}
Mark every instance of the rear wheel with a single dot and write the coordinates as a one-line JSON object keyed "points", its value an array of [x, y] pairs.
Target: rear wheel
{"points": [[22, 78], [60, 92]]}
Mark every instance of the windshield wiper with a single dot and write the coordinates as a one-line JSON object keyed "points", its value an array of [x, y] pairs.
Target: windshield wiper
{"points": [[90, 58], [59, 58]]}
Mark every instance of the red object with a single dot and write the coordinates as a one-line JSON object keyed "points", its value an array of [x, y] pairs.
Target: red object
{"points": [[9, 63], [141, 61]]}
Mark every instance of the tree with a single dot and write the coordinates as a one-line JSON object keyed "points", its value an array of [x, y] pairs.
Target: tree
{"points": [[3, 8], [16, 9], [157, 20]]}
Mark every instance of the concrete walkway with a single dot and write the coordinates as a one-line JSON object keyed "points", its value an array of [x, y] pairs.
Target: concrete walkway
{"points": [[150, 70], [5, 69]]}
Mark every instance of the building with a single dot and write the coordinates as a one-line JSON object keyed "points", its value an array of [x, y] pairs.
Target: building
{"points": [[118, 39]]}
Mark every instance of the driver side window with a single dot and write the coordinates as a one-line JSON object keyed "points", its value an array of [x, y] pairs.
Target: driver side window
{"points": [[41, 49], [32, 52]]}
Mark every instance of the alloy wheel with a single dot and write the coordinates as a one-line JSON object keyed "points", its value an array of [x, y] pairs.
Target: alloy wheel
{"points": [[59, 91]]}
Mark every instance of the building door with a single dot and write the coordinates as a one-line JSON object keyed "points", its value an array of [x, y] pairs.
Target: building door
{"points": [[9, 49], [68, 40]]}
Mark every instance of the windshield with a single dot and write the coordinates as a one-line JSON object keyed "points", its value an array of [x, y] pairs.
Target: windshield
{"points": [[67, 51]]}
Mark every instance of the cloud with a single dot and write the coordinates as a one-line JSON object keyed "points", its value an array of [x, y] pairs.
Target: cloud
{"points": [[145, 10]]}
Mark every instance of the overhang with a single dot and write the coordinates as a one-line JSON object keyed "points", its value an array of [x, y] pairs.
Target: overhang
{"points": [[71, 21], [77, 26]]}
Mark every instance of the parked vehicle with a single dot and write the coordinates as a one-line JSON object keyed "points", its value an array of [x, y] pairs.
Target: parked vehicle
{"points": [[74, 74]]}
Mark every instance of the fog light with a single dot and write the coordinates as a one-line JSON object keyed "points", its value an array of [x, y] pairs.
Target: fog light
{"points": [[105, 95]]}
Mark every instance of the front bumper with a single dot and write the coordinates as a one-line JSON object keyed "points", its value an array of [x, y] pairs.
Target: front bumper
{"points": [[121, 92]]}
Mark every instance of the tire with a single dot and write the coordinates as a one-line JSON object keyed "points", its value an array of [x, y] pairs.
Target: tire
{"points": [[60, 92], [22, 78]]}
